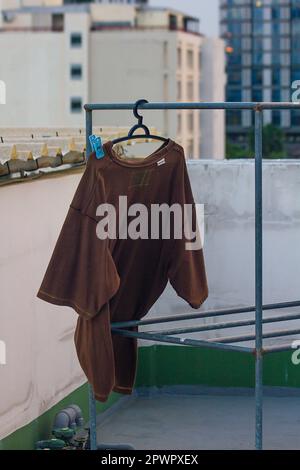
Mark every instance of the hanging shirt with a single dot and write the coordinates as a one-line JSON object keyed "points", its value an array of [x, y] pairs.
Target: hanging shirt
{"points": [[119, 278]]}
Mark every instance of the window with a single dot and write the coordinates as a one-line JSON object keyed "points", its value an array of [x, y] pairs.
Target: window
{"points": [[234, 43], [57, 22], [172, 22], [258, 13], [234, 59], [276, 13], [165, 53], [190, 90], [178, 90], [295, 117], [234, 77], [179, 57], [76, 105], [76, 71], [257, 58], [190, 121], [276, 58], [258, 27], [276, 95], [296, 11], [76, 40], [234, 94], [295, 27], [276, 115], [295, 49], [190, 59], [257, 94], [276, 76], [257, 76], [235, 28], [235, 13], [257, 43], [295, 74], [275, 29], [234, 118], [179, 123]]}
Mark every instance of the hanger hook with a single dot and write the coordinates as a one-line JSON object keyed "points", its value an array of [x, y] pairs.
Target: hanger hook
{"points": [[135, 110]]}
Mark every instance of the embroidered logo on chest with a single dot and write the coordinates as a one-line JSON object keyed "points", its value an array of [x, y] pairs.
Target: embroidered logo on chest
{"points": [[140, 178]]}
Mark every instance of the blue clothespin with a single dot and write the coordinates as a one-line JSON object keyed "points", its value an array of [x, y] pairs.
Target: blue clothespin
{"points": [[97, 146]]}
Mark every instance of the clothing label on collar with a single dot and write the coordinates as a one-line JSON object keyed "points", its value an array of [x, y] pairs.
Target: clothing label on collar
{"points": [[161, 162]]}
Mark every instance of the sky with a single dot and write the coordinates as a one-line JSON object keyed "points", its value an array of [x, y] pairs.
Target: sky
{"points": [[206, 10]]}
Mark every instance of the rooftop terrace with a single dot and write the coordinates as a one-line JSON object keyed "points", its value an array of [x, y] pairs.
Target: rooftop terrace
{"points": [[226, 189]]}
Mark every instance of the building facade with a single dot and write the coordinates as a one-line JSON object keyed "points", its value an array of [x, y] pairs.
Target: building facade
{"points": [[212, 89], [90, 52], [30, 3], [262, 61]]}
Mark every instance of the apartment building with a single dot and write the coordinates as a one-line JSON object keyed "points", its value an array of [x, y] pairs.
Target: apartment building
{"points": [[263, 60], [67, 53]]}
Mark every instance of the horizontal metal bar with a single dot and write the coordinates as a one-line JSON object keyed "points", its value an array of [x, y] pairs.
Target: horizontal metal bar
{"points": [[193, 105], [279, 105], [203, 314], [214, 343], [270, 334], [223, 325], [279, 348], [182, 341]]}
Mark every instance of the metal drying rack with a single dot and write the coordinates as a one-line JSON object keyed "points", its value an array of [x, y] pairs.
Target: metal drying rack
{"points": [[226, 342]]}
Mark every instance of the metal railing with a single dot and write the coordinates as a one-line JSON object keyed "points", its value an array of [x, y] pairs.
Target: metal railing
{"points": [[224, 343]]}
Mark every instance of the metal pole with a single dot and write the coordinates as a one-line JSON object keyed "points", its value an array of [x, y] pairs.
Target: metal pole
{"points": [[202, 314], [93, 419], [89, 131], [251, 337], [194, 105], [181, 341], [230, 324], [258, 280], [92, 401]]}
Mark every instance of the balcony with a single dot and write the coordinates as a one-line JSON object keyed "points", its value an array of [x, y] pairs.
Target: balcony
{"points": [[186, 397]]}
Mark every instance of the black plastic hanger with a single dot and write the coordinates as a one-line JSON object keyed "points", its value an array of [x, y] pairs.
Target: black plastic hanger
{"points": [[140, 125]]}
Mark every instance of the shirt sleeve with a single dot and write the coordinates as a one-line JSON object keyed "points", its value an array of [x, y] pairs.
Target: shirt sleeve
{"points": [[186, 269], [81, 273]]}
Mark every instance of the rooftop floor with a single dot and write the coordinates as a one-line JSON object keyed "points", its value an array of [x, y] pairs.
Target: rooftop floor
{"points": [[179, 421]]}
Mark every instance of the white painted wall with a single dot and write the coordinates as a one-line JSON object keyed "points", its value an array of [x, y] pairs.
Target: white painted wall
{"points": [[35, 79], [37, 76], [212, 89], [136, 67], [41, 360], [5, 4], [159, 18], [113, 12]]}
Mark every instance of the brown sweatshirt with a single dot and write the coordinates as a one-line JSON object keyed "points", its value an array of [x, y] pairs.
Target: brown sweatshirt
{"points": [[120, 278]]}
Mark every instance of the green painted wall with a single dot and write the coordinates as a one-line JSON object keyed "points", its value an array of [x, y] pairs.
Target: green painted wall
{"points": [[161, 365], [26, 437], [175, 365]]}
